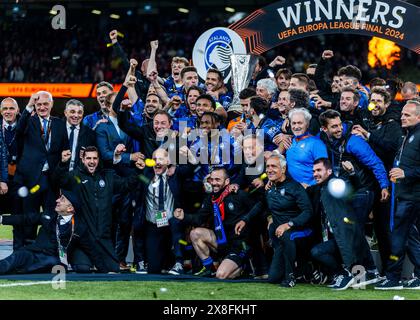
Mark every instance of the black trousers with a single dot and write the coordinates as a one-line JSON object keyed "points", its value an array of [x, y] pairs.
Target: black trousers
{"points": [[160, 242], [404, 237], [328, 255], [44, 197], [26, 261]]}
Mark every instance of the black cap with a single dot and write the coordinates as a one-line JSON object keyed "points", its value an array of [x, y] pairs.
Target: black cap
{"points": [[74, 199]]}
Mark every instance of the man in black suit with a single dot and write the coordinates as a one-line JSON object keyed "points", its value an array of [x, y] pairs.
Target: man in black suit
{"points": [[80, 136], [160, 196], [43, 139], [61, 232], [9, 202]]}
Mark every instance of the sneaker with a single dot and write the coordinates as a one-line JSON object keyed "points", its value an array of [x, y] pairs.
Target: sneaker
{"points": [[204, 272], [343, 282], [318, 277], [124, 267], [261, 277], [141, 268], [333, 281], [389, 285], [413, 284], [288, 283], [370, 277], [177, 269]]}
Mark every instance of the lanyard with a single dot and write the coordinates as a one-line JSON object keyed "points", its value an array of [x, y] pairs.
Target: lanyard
{"points": [[57, 230]]}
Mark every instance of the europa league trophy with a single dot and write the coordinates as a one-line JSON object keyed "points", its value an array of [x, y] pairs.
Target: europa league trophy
{"points": [[242, 66]]}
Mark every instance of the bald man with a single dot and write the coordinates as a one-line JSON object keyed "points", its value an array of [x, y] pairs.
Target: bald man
{"points": [[43, 138]]}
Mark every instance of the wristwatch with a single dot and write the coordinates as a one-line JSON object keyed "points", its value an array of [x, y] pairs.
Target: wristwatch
{"points": [[291, 224]]}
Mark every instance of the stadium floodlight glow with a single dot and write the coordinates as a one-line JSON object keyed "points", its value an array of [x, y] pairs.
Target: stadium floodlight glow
{"points": [[230, 9], [15, 9], [129, 12], [147, 7], [94, 11], [183, 10], [53, 12], [114, 16]]}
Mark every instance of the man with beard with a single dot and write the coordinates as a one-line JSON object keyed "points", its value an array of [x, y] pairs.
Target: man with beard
{"points": [[338, 251], [189, 114], [216, 88], [344, 146], [238, 114], [206, 103], [383, 132], [349, 107], [103, 89], [96, 187], [215, 228]]}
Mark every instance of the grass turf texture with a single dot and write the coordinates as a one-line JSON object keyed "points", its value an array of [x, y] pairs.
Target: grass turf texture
{"points": [[146, 290], [6, 232]]}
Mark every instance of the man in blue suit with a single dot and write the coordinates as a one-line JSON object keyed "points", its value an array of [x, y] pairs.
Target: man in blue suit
{"points": [[43, 138]]}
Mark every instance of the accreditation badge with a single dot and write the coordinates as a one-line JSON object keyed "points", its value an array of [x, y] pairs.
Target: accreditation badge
{"points": [[161, 219], [63, 256]]}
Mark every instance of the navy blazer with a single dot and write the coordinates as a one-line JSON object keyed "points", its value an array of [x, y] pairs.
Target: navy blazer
{"points": [[107, 139], [34, 152]]}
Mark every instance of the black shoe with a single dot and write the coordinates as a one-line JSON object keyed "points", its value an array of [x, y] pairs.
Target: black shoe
{"points": [[141, 268], [318, 277], [177, 269], [369, 277], [288, 283], [413, 284], [389, 285], [343, 282], [204, 272]]}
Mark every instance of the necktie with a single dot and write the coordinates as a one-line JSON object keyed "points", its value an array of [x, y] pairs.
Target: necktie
{"points": [[8, 135], [71, 138], [161, 196], [45, 127]]}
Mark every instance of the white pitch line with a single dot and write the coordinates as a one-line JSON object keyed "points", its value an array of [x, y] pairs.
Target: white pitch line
{"points": [[26, 283]]}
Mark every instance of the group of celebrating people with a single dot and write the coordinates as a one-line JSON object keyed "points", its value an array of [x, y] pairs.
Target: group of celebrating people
{"points": [[280, 187]]}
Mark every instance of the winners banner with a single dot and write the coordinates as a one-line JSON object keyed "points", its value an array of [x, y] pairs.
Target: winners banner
{"points": [[290, 20]]}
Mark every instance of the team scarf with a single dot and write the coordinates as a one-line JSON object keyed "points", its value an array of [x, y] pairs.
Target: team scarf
{"points": [[219, 215]]}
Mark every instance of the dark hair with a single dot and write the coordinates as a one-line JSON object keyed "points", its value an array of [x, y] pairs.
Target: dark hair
{"points": [[356, 94], [377, 82], [156, 95], [382, 92], [225, 173], [299, 97], [188, 69], [262, 61], [302, 78], [328, 115], [284, 71], [260, 105], [90, 149], [350, 71], [197, 88], [105, 84], [215, 117], [209, 98], [247, 93], [163, 112], [325, 162], [312, 85], [393, 86], [218, 72]]}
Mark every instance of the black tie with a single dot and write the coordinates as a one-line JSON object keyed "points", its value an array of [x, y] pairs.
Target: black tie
{"points": [[71, 137], [161, 199], [8, 134]]}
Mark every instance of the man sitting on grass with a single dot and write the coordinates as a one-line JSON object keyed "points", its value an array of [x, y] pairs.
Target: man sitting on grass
{"points": [[61, 232]]}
